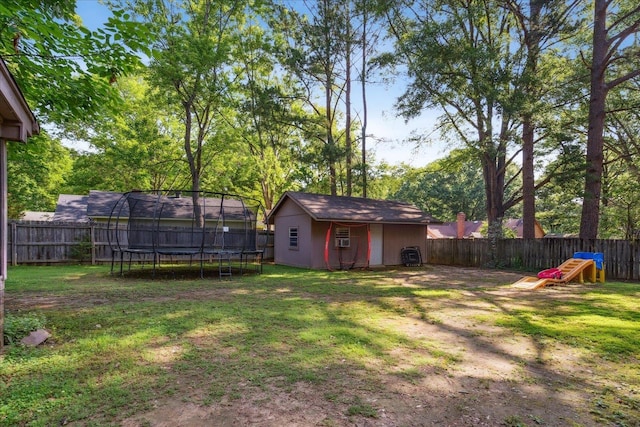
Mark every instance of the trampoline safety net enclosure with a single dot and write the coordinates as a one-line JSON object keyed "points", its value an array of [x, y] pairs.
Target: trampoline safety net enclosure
{"points": [[159, 225]]}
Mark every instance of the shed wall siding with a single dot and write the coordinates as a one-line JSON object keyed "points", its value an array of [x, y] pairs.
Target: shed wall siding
{"points": [[319, 236], [291, 215], [357, 248], [397, 237]]}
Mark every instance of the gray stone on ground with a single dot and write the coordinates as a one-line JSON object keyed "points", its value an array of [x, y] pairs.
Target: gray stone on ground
{"points": [[35, 338]]}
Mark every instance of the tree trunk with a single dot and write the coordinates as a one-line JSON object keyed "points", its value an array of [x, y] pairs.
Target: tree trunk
{"points": [[528, 181], [494, 183], [364, 102], [595, 139], [331, 144], [532, 42], [347, 135], [193, 165]]}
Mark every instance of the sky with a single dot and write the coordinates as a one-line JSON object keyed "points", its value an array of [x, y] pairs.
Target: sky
{"points": [[388, 132]]}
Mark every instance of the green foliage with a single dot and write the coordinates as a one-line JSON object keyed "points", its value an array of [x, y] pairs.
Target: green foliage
{"points": [[17, 327], [64, 69], [194, 71], [558, 203], [384, 179], [36, 174], [620, 216], [505, 232], [320, 41], [134, 147], [252, 80], [445, 187], [514, 421], [268, 115], [66, 73], [362, 408], [620, 210], [460, 60], [81, 251]]}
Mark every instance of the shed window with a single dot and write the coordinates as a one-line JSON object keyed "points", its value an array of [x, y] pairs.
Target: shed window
{"points": [[293, 237], [343, 237]]}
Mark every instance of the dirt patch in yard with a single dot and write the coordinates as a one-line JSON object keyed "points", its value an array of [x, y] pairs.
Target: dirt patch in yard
{"points": [[483, 375], [498, 378]]}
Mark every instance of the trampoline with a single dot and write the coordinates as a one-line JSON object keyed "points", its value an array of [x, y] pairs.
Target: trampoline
{"points": [[156, 225]]}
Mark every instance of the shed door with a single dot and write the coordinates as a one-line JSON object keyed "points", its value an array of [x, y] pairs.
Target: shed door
{"points": [[376, 244]]}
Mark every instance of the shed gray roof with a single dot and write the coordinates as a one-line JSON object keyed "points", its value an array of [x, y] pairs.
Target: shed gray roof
{"points": [[322, 207]]}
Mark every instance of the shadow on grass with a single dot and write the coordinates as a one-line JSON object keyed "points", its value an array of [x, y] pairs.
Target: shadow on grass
{"points": [[122, 343]]}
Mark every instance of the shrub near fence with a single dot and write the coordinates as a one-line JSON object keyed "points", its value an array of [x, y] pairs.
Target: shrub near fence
{"points": [[35, 242], [621, 257]]}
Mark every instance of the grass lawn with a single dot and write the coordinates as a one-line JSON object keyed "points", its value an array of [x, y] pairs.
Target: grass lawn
{"points": [[413, 346]]}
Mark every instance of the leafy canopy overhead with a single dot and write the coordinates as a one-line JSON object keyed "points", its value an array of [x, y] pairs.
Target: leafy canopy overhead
{"points": [[65, 69]]}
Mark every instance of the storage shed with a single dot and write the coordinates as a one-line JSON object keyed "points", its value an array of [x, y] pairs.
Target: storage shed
{"points": [[336, 232]]}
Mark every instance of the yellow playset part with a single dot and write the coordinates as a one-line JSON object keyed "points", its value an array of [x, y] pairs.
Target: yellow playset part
{"points": [[573, 270]]}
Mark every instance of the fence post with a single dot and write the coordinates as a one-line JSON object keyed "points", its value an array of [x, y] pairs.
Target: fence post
{"points": [[93, 244], [14, 243]]}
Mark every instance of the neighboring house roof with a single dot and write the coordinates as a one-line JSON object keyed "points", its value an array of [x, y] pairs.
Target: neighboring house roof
{"points": [[37, 216], [449, 230], [76, 208], [71, 208], [148, 205], [322, 207], [516, 226], [17, 121], [101, 204]]}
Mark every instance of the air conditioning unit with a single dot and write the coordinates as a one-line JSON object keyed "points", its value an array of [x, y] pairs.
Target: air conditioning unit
{"points": [[343, 242]]}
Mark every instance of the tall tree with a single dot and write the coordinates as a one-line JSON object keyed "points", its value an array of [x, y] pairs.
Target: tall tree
{"points": [[269, 114], [541, 25], [369, 34], [316, 53], [192, 68], [364, 72], [348, 60], [361, 39], [614, 62], [458, 58]]}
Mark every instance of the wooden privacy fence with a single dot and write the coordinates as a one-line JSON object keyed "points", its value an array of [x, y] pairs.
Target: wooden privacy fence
{"points": [[621, 257], [54, 242], [33, 242]]}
